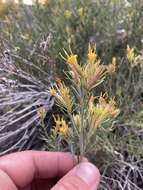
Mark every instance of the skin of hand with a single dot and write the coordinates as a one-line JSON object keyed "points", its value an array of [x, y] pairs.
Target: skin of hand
{"points": [[39, 170]]}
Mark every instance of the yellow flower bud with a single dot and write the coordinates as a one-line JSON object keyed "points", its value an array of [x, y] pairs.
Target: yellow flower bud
{"points": [[130, 54], [72, 59], [61, 127], [80, 11], [67, 14], [91, 54], [52, 92], [114, 61]]}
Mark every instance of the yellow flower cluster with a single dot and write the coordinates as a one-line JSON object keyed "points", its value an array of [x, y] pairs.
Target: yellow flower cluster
{"points": [[85, 116], [114, 61], [130, 54], [102, 111], [133, 58], [61, 127], [108, 107], [94, 75], [67, 14], [62, 95], [80, 11], [72, 59], [91, 54], [90, 74], [52, 92]]}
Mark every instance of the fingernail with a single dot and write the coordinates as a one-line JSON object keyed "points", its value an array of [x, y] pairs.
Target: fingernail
{"points": [[84, 159], [88, 173]]}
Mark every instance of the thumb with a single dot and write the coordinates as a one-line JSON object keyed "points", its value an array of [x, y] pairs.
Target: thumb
{"points": [[84, 176]]}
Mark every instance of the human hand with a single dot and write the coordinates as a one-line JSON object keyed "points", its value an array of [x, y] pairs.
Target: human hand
{"points": [[39, 170]]}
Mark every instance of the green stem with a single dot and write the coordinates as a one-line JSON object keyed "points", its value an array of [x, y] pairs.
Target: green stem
{"points": [[73, 123], [81, 140]]}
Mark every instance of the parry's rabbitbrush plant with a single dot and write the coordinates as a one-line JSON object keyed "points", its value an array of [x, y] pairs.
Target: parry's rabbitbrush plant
{"points": [[29, 62], [83, 113], [133, 58]]}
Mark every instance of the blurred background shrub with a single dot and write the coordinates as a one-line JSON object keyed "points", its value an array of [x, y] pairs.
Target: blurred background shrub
{"points": [[39, 32]]}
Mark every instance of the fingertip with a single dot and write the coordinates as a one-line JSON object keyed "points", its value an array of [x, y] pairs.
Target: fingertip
{"points": [[88, 172], [84, 176]]}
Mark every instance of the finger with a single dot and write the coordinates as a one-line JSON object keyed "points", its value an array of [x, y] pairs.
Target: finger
{"points": [[23, 167], [85, 176], [6, 182], [43, 184]]}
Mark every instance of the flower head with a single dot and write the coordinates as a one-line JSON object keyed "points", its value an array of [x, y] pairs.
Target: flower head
{"points": [[68, 14], [63, 97], [91, 54], [114, 61], [75, 69], [94, 74], [80, 11], [52, 92], [42, 112], [63, 90], [109, 107], [130, 54], [61, 127], [102, 111], [72, 59]]}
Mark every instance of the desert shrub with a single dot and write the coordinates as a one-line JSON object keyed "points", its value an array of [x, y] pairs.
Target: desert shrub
{"points": [[6, 7], [21, 94], [38, 33], [126, 83], [31, 39], [111, 24]]}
